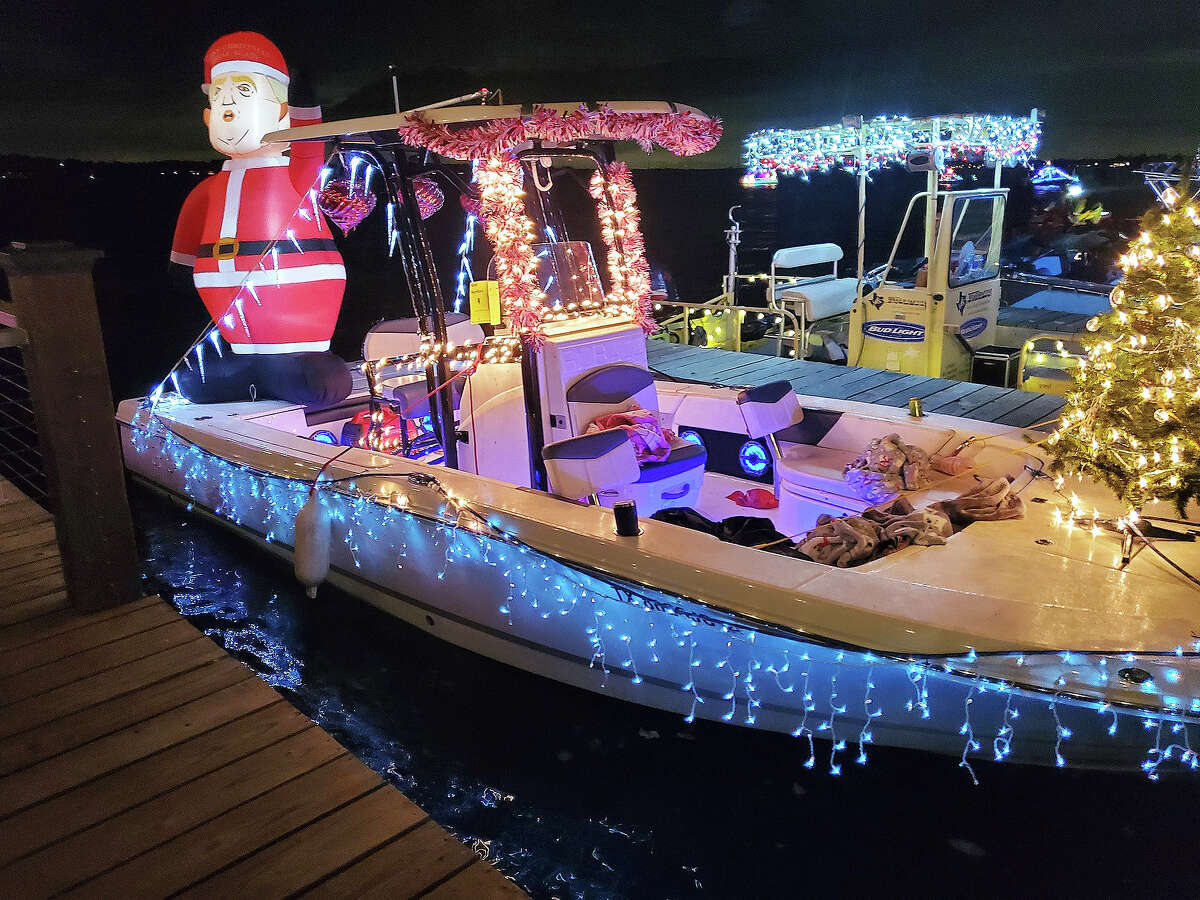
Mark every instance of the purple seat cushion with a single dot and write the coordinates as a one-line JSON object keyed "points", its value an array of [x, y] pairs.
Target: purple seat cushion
{"points": [[684, 457]]}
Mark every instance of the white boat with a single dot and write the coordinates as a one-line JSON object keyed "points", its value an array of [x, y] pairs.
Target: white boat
{"points": [[1027, 639]]}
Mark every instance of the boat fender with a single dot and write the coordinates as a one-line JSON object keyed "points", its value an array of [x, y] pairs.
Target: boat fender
{"points": [[314, 532]]}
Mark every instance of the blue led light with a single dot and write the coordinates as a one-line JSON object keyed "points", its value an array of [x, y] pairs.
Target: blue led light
{"points": [[323, 437], [693, 437], [753, 458]]}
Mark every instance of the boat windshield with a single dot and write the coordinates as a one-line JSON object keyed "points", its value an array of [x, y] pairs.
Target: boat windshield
{"points": [[973, 238]]}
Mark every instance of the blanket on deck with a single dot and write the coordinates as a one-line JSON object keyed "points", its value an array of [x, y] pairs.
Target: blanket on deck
{"points": [[854, 540]]}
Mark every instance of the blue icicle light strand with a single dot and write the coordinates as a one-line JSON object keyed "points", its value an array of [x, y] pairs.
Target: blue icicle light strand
{"points": [[697, 659]]}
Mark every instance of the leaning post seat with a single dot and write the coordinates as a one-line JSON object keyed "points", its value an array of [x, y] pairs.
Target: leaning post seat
{"points": [[814, 299], [584, 466], [400, 337], [675, 481]]}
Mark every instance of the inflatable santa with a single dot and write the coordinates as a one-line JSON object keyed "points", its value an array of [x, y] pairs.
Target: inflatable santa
{"points": [[254, 242]]}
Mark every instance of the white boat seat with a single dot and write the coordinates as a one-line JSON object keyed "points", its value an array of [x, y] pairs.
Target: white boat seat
{"points": [[401, 337], [820, 298], [815, 467], [582, 466], [811, 299], [617, 388], [769, 408], [609, 389]]}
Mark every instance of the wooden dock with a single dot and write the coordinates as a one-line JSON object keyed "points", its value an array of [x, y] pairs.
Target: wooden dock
{"points": [[987, 403], [138, 759], [31, 572]]}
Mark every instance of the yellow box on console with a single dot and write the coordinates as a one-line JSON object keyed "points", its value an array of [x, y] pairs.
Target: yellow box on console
{"points": [[485, 302]]}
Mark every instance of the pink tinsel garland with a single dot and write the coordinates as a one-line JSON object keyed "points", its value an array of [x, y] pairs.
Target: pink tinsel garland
{"points": [[502, 208], [628, 270], [684, 133]]}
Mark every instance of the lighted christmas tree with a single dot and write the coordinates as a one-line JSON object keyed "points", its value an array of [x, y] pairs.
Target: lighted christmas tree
{"points": [[1132, 420]]}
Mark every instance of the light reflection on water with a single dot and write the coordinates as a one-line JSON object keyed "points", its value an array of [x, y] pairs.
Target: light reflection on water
{"points": [[577, 795]]}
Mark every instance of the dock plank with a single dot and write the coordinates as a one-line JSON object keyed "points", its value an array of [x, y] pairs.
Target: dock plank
{"points": [[935, 402], [963, 406], [1044, 407], [47, 677], [920, 390], [21, 535], [306, 857], [99, 848], [405, 868], [231, 837], [205, 686], [54, 646], [127, 786], [21, 512], [138, 759], [993, 410], [48, 627], [29, 553], [825, 380], [33, 608], [473, 882], [79, 694]]}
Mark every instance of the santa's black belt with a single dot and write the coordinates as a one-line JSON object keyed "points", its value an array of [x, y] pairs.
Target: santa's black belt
{"points": [[228, 248]]}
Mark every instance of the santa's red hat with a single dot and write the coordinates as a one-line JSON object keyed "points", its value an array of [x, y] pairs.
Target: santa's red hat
{"points": [[244, 51]]}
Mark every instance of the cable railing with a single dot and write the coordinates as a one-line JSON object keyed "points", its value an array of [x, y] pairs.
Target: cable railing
{"points": [[21, 460]]}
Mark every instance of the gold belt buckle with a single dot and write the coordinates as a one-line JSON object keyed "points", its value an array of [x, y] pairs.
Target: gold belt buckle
{"points": [[225, 248]]}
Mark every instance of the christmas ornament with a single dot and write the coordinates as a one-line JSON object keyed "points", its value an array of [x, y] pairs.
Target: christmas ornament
{"points": [[469, 204], [429, 196], [345, 204]]}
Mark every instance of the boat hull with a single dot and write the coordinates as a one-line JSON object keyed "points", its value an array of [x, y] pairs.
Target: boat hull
{"points": [[574, 623]]}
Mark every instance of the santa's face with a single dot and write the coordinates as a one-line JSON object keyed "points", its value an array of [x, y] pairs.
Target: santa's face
{"points": [[242, 108]]}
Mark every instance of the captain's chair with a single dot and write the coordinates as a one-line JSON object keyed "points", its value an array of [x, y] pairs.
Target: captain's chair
{"points": [[674, 481], [814, 299], [584, 466]]}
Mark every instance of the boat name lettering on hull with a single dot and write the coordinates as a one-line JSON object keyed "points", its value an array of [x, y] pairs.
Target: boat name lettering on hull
{"points": [[697, 618]]}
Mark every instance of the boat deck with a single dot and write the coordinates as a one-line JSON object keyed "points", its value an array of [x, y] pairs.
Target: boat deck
{"points": [[138, 759], [987, 403]]}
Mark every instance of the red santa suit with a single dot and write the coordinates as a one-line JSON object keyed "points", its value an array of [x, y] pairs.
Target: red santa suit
{"points": [[262, 257]]}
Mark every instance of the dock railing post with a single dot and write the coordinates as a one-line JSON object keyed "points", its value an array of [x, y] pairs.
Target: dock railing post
{"points": [[54, 304]]}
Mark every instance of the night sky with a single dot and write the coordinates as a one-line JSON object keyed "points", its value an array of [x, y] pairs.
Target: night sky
{"points": [[121, 80]]}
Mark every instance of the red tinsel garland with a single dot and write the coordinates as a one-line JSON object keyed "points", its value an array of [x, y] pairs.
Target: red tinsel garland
{"points": [[684, 133], [621, 229]]}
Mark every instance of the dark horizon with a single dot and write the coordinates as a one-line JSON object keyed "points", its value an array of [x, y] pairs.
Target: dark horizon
{"points": [[122, 82]]}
